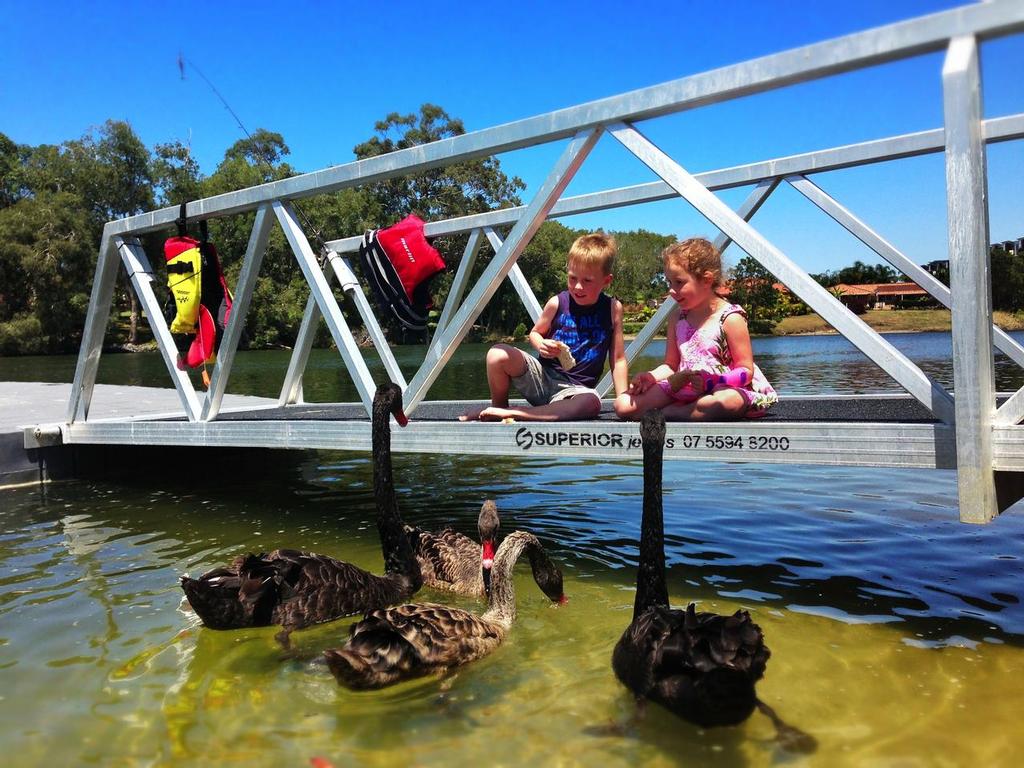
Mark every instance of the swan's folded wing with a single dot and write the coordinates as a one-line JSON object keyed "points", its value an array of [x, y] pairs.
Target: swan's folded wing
{"points": [[446, 557], [441, 635]]}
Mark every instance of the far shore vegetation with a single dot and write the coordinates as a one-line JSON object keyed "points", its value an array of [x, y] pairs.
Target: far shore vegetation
{"points": [[892, 321], [55, 199]]}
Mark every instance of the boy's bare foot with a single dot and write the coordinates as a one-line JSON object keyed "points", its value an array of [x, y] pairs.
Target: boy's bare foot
{"points": [[493, 413], [472, 414]]}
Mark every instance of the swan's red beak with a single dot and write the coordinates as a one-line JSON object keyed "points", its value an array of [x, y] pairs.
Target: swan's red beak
{"points": [[563, 600], [487, 554], [400, 417]]}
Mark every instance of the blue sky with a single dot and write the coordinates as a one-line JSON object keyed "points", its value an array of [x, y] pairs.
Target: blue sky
{"points": [[322, 73]]}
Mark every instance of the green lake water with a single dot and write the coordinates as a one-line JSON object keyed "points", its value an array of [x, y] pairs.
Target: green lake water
{"points": [[897, 633]]}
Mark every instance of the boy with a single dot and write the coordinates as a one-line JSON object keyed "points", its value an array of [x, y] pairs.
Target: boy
{"points": [[577, 329]]}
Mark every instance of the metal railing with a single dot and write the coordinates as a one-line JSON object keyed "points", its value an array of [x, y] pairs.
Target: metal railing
{"points": [[963, 138]]}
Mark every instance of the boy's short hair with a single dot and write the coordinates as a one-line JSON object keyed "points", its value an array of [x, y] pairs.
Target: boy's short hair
{"points": [[697, 256], [596, 249]]}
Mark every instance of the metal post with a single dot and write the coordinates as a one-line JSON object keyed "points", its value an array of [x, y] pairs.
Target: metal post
{"points": [[327, 304], [886, 356], [239, 309], [746, 211], [140, 273], [95, 326], [969, 275], [556, 182]]}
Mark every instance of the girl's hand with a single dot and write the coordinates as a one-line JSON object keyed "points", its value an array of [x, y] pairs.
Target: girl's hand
{"points": [[641, 383], [548, 348], [683, 379]]}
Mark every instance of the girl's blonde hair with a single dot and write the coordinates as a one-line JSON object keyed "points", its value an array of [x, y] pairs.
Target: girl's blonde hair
{"points": [[697, 256]]}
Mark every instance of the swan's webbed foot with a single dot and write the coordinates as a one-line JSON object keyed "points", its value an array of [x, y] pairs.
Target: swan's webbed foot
{"points": [[789, 737], [447, 679], [621, 728], [284, 638]]}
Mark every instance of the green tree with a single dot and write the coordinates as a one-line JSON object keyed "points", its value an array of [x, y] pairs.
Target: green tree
{"points": [[542, 263], [109, 169], [46, 257], [11, 174], [175, 174], [752, 288], [1007, 271], [471, 186], [459, 189], [638, 268]]}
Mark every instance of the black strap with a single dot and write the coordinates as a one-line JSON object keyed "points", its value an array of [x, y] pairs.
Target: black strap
{"points": [[180, 268], [182, 221]]}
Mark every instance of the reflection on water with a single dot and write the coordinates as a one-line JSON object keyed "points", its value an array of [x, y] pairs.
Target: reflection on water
{"points": [[897, 635]]}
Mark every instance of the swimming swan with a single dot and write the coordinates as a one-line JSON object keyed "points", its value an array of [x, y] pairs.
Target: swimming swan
{"points": [[453, 562], [700, 666], [394, 644], [296, 589]]}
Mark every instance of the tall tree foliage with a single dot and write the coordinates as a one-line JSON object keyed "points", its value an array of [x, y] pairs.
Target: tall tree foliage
{"points": [[471, 186], [459, 189], [753, 289], [46, 253], [1007, 270], [860, 273]]}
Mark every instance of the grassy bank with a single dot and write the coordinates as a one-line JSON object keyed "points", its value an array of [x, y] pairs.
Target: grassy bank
{"points": [[892, 321]]}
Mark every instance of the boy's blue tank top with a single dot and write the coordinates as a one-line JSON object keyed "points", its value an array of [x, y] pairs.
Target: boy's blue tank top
{"points": [[587, 331]]}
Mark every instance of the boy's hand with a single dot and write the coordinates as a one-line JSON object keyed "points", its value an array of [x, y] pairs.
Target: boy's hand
{"points": [[548, 348], [641, 383]]}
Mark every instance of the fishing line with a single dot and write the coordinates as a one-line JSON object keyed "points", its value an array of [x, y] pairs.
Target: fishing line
{"points": [[258, 149]]}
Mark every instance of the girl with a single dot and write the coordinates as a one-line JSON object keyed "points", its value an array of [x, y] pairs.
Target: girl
{"points": [[709, 370]]}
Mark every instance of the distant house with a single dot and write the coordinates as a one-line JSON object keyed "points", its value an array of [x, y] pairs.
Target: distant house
{"points": [[897, 295], [883, 295], [863, 296], [857, 298]]}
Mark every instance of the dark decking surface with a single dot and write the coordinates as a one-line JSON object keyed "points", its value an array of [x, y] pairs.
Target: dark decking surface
{"points": [[886, 409]]}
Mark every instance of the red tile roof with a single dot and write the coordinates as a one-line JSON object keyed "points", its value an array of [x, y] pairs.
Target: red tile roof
{"points": [[905, 289]]}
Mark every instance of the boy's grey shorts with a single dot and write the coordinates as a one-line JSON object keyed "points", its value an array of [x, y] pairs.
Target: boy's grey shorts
{"points": [[540, 385]]}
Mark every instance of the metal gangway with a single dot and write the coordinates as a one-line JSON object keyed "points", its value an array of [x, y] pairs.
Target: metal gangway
{"points": [[926, 428]]}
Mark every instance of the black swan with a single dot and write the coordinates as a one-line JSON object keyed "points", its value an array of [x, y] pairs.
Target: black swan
{"points": [[296, 589], [700, 666], [453, 562], [394, 644]]}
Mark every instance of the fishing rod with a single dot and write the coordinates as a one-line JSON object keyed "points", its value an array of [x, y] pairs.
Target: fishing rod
{"points": [[257, 148]]}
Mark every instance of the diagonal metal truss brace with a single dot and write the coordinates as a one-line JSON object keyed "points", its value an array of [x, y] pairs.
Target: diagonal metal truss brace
{"points": [[140, 273], [746, 211], [535, 214], [888, 358], [326, 303]]}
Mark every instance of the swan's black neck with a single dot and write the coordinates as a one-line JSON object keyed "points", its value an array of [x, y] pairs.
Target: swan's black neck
{"points": [[398, 554], [651, 589]]}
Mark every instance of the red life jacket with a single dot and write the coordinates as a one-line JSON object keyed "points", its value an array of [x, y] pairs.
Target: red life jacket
{"points": [[399, 263]]}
